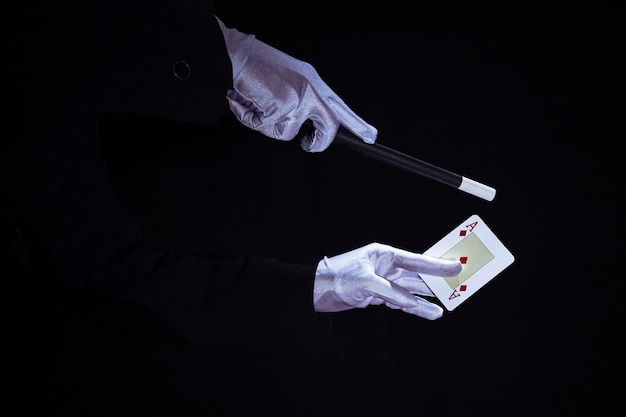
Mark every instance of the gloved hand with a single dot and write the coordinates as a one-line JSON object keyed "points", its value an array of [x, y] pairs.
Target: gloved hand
{"points": [[377, 274], [275, 94]]}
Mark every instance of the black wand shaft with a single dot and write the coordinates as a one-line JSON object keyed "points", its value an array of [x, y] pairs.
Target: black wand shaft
{"points": [[413, 165]]}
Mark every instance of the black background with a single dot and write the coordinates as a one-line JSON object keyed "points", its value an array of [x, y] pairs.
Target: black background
{"points": [[524, 98]]}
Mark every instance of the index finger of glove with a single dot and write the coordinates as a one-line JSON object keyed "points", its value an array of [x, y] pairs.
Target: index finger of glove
{"points": [[351, 121], [346, 116], [426, 264]]}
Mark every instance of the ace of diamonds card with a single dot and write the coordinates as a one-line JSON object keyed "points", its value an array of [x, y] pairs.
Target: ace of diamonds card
{"points": [[482, 255]]}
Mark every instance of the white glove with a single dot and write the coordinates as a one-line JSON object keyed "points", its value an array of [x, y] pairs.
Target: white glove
{"points": [[379, 274], [275, 94]]}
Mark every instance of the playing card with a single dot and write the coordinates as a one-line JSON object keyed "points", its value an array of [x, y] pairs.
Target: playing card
{"points": [[482, 255]]}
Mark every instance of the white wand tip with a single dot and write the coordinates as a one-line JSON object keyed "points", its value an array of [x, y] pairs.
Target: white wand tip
{"points": [[477, 189]]}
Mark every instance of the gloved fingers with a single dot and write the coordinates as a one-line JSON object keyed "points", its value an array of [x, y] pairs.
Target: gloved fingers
{"points": [[351, 121], [279, 85], [358, 285], [321, 134], [341, 111], [244, 109], [439, 267], [313, 119], [319, 103], [390, 293], [269, 120], [415, 285], [284, 122], [424, 309], [416, 262]]}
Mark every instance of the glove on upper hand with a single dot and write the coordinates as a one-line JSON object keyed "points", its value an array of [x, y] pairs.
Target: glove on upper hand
{"points": [[275, 94], [379, 274]]}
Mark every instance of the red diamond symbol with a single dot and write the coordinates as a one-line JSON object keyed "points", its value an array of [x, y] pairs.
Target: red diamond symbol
{"points": [[463, 288], [463, 259], [462, 232]]}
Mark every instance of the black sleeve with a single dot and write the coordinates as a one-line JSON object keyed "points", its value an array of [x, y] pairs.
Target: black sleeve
{"points": [[55, 190], [119, 56], [91, 246]]}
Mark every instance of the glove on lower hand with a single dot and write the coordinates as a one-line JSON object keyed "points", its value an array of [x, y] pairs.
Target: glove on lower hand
{"points": [[379, 274], [275, 94]]}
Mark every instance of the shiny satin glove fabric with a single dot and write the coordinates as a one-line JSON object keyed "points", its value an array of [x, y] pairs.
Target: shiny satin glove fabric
{"points": [[379, 274], [275, 94]]}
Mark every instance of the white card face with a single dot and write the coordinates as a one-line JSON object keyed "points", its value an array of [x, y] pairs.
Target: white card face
{"points": [[480, 252]]}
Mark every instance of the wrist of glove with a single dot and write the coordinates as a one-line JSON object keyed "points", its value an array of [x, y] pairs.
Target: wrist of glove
{"points": [[379, 274], [275, 94]]}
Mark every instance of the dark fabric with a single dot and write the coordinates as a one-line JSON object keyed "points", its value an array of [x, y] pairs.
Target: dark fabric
{"points": [[89, 242], [131, 49], [78, 232], [119, 57], [121, 325]]}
